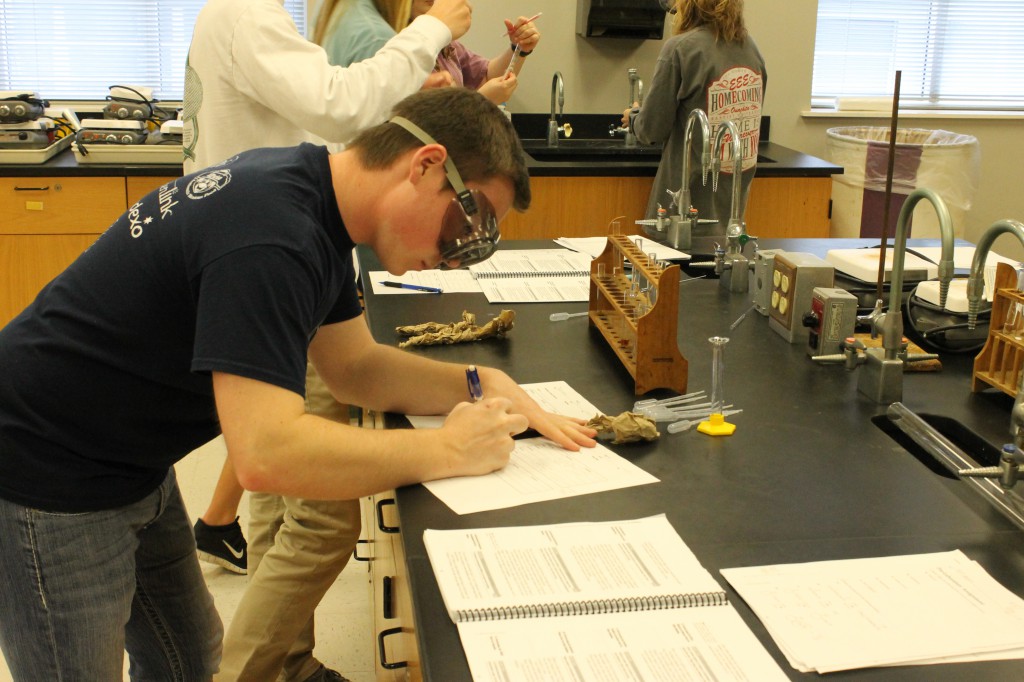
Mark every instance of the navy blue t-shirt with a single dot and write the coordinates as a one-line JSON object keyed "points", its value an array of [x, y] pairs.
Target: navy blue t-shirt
{"points": [[105, 378]]}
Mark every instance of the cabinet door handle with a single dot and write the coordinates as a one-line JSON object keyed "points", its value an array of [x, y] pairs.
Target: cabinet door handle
{"points": [[32, 189], [387, 597], [355, 551], [384, 663], [380, 517]]}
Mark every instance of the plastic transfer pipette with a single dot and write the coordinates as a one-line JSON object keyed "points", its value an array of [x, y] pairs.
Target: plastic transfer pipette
{"points": [[558, 317]]}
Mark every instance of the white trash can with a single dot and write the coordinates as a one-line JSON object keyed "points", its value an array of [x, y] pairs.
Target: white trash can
{"points": [[944, 162]]}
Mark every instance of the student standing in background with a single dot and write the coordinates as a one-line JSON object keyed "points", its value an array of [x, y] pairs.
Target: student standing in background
{"points": [[253, 81], [353, 30], [710, 63], [490, 77]]}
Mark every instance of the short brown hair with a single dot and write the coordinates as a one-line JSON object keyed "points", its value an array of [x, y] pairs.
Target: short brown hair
{"points": [[478, 136], [724, 18]]}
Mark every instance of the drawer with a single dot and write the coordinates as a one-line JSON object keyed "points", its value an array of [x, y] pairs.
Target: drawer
{"points": [[28, 262], [60, 205]]}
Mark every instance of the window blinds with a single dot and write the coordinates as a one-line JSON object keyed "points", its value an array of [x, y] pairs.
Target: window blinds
{"points": [[953, 54], [77, 50]]}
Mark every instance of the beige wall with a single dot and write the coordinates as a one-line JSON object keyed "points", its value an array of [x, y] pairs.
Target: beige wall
{"points": [[594, 70]]}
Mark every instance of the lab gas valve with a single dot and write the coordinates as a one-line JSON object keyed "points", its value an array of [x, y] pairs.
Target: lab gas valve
{"points": [[831, 319]]}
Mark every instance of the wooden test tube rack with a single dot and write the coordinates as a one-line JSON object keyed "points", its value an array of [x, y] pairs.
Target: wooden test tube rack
{"points": [[1000, 360], [645, 344]]}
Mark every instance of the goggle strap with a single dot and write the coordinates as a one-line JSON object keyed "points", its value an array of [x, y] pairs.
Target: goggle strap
{"points": [[450, 170]]}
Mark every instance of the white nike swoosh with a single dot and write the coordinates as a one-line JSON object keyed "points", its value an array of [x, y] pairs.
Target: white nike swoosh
{"points": [[237, 555]]}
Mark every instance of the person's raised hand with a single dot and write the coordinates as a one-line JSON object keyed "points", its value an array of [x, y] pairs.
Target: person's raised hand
{"points": [[523, 33], [456, 14]]}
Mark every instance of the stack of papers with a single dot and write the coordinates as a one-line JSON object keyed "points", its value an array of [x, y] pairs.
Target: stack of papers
{"points": [[522, 276], [902, 610]]}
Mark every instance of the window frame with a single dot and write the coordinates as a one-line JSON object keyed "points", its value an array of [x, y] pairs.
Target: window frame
{"points": [[924, 80]]}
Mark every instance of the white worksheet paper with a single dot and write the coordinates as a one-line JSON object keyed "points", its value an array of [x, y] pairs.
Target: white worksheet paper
{"points": [[448, 281], [594, 246], [900, 610], [710, 643], [539, 470]]}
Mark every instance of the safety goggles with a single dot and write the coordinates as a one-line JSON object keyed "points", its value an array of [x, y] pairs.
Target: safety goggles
{"points": [[469, 230]]}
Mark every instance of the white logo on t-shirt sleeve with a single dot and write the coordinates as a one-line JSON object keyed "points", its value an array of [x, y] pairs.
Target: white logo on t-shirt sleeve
{"points": [[205, 184]]}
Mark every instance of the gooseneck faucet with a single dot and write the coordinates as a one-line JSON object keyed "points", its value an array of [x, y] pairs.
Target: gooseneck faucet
{"points": [[976, 280], [734, 229], [557, 89], [731, 258], [636, 94], [975, 291], [681, 226], [881, 377]]}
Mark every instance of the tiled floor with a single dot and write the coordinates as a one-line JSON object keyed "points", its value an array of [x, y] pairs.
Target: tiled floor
{"points": [[344, 625]]}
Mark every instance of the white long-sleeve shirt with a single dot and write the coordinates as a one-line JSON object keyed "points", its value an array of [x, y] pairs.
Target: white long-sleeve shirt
{"points": [[253, 81]]}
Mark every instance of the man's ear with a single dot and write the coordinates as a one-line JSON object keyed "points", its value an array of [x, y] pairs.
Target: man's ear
{"points": [[430, 157]]}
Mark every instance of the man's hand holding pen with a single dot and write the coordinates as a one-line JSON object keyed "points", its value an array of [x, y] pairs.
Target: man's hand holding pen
{"points": [[568, 432]]}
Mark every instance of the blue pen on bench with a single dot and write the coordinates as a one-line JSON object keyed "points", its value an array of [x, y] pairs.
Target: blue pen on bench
{"points": [[413, 287], [473, 382]]}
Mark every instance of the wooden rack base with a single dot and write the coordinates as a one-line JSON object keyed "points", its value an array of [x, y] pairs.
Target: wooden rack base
{"points": [[1000, 360], [645, 343]]}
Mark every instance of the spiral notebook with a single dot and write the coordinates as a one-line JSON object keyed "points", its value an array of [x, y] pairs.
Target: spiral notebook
{"points": [[582, 600], [534, 276]]}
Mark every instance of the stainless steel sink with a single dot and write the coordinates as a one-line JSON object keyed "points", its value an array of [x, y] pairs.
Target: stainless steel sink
{"points": [[598, 149], [590, 149], [946, 446]]}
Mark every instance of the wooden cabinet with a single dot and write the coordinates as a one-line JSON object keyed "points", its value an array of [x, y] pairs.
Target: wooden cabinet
{"points": [[46, 222], [578, 207], [583, 206], [59, 205], [789, 207]]}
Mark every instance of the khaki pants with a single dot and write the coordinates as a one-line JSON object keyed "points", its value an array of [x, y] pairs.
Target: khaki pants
{"points": [[297, 548]]}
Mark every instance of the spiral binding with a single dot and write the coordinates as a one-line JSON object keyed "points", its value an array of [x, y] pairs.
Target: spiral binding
{"points": [[594, 606], [530, 273]]}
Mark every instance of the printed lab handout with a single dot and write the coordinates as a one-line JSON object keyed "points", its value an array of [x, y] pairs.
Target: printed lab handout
{"points": [[538, 469]]}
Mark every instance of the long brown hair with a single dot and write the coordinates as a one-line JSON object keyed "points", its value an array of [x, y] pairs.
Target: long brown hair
{"points": [[724, 18], [395, 12]]}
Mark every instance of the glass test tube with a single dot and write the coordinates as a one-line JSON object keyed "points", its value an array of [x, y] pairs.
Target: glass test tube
{"points": [[717, 373], [1014, 323]]}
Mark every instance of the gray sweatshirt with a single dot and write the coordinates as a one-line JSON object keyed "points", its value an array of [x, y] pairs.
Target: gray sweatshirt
{"points": [[727, 81]]}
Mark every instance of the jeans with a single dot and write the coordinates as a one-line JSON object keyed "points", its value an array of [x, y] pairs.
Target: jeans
{"points": [[80, 589]]}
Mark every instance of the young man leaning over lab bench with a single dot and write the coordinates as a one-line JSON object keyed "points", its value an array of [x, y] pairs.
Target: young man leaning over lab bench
{"points": [[253, 81], [178, 325]]}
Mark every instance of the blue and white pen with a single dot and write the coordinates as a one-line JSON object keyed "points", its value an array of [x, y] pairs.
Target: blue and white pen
{"points": [[413, 287], [476, 393]]}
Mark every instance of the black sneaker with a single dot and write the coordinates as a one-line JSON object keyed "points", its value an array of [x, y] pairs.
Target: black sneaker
{"points": [[325, 674], [222, 545]]}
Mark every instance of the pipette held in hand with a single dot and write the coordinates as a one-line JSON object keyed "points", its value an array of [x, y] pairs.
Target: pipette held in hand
{"points": [[559, 317], [476, 393], [512, 62], [516, 27]]}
